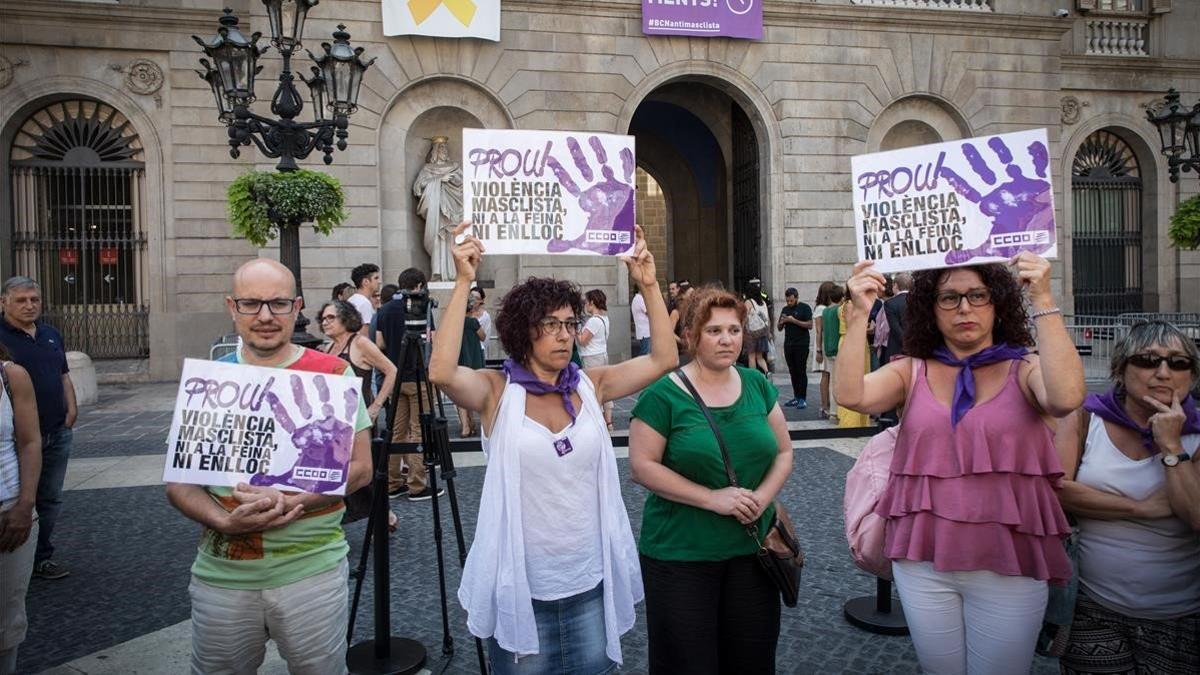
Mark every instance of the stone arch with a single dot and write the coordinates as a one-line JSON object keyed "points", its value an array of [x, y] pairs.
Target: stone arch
{"points": [[439, 105], [916, 120], [1159, 275]]}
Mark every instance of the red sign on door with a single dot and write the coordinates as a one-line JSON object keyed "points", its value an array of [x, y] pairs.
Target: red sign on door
{"points": [[68, 256], [109, 255]]}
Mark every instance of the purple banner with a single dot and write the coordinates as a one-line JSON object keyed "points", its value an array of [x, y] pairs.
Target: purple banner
{"points": [[703, 18]]}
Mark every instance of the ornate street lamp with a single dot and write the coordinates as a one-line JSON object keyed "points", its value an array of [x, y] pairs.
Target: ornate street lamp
{"points": [[1179, 133], [333, 88]]}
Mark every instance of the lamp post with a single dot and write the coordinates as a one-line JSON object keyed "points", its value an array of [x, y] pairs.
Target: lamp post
{"points": [[1179, 133], [333, 90]]}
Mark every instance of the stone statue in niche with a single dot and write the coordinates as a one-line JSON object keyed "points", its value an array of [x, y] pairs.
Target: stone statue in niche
{"points": [[439, 187]]}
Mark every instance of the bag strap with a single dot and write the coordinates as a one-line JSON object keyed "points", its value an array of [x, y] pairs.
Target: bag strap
{"points": [[4, 379]]}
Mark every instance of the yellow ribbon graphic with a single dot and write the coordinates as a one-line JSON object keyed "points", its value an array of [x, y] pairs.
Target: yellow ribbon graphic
{"points": [[463, 10]]}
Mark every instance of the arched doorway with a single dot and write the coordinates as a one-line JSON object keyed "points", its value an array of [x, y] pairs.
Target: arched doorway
{"points": [[78, 229], [1106, 193]]}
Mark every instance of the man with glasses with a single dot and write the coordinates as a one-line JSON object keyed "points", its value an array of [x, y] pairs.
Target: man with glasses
{"points": [[271, 565], [38, 348]]}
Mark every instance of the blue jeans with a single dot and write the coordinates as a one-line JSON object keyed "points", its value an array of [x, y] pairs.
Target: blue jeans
{"points": [[56, 450], [643, 346], [571, 639]]}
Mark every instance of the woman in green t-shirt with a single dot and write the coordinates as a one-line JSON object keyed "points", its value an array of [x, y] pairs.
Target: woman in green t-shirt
{"points": [[710, 607]]}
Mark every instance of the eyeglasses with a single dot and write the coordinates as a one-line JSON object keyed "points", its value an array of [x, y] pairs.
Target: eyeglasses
{"points": [[328, 317], [976, 297], [1175, 362], [551, 326], [252, 306]]}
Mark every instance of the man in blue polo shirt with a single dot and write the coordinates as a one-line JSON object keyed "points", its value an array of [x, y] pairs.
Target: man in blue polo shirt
{"points": [[38, 347]]}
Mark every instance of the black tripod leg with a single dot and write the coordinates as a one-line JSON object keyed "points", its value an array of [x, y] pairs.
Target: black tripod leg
{"points": [[379, 476]]}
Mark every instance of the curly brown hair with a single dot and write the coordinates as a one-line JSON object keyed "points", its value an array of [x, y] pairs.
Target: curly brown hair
{"points": [[921, 334], [699, 308], [528, 303]]}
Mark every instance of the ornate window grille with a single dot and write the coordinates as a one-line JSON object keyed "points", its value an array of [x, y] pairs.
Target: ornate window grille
{"points": [[79, 227]]}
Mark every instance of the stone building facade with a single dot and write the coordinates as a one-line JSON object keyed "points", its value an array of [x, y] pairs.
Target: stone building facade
{"points": [[115, 166]]}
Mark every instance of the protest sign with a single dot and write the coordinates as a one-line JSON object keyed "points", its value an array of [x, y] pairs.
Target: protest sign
{"points": [[963, 202], [549, 191], [443, 18], [703, 18], [270, 427]]}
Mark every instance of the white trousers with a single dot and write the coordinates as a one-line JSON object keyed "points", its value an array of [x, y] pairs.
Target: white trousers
{"points": [[306, 619], [974, 623], [15, 569]]}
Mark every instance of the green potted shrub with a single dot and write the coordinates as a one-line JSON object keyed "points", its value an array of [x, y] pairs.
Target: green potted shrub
{"points": [[1185, 225], [260, 202]]}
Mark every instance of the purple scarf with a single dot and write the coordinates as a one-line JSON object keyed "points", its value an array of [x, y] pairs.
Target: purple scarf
{"points": [[1108, 407], [568, 380], [964, 384]]}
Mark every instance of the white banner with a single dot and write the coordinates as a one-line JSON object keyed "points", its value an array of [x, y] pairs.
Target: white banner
{"points": [[569, 192], [443, 18], [270, 427], [962, 202]]}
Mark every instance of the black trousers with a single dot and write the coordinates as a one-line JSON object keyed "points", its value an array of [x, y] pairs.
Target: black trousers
{"points": [[710, 618], [797, 362]]}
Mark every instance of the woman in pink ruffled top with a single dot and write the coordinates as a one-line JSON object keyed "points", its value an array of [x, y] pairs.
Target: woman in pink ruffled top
{"points": [[974, 528]]}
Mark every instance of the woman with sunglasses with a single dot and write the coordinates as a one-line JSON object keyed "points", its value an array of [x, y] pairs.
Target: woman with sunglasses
{"points": [[340, 321], [973, 526], [1135, 492], [552, 576]]}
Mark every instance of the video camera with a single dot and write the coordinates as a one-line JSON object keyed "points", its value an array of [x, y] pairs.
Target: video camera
{"points": [[416, 308]]}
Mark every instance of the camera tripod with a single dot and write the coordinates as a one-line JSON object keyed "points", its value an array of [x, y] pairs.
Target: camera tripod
{"points": [[388, 654]]}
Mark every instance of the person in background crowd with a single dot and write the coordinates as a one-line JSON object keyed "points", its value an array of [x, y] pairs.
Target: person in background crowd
{"points": [[770, 353], [342, 291], [37, 347], [485, 319], [973, 526], [758, 328], [796, 320], [593, 338], [340, 323], [847, 418], [831, 339], [1136, 495], [271, 565], [672, 294], [894, 317], [366, 284], [376, 302], [551, 578], [20, 466], [819, 365], [682, 288], [873, 320], [386, 293], [470, 355], [641, 323], [710, 606]]}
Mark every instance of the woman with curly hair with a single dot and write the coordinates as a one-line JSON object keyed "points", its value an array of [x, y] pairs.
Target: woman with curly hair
{"points": [[552, 576], [974, 528]]}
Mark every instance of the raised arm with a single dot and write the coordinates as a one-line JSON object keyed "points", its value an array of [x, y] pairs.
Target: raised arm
{"points": [[628, 377], [1056, 381], [1183, 479], [377, 360], [468, 388], [854, 388]]}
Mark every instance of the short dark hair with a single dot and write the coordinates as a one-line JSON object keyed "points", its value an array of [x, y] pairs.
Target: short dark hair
{"points": [[527, 304], [362, 273], [921, 335], [410, 279], [339, 289], [597, 298], [386, 292], [791, 292], [479, 290], [346, 313], [835, 294]]}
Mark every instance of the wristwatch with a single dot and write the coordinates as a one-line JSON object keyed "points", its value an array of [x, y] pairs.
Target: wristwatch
{"points": [[1172, 460]]}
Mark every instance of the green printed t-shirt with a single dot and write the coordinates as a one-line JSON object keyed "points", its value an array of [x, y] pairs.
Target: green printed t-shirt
{"points": [[311, 544], [678, 532]]}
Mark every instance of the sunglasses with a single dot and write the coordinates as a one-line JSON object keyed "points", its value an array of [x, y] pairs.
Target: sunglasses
{"points": [[1153, 361]]}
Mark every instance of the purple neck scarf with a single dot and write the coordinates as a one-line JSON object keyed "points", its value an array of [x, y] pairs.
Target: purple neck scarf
{"points": [[1108, 407], [568, 380], [964, 384]]}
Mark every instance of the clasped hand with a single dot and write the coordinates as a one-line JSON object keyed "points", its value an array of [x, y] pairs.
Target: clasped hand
{"points": [[743, 504], [259, 509]]}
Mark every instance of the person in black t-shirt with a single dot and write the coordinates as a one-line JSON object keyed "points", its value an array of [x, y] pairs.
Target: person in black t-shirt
{"points": [[795, 320]]}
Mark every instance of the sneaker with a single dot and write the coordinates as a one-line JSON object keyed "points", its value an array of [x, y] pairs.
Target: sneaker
{"points": [[398, 492], [425, 494], [789, 403], [801, 404], [48, 569]]}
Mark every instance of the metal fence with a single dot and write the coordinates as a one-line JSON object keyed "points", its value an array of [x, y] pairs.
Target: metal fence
{"points": [[1095, 336]]}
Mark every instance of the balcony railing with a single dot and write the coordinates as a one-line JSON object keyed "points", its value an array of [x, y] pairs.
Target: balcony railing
{"points": [[1117, 37], [958, 5]]}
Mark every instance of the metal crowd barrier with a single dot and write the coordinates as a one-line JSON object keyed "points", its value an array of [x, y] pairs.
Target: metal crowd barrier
{"points": [[226, 344]]}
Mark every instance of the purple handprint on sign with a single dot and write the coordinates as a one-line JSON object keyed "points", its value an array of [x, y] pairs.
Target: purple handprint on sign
{"points": [[608, 203], [1021, 209], [325, 444]]}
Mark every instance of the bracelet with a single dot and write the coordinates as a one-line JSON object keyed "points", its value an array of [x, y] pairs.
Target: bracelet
{"points": [[1045, 312]]}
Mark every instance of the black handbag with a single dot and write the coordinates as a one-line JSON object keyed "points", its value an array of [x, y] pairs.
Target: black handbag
{"points": [[779, 552]]}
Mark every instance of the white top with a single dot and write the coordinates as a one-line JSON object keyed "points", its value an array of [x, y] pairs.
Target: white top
{"points": [[10, 474], [641, 320], [1146, 569], [495, 587], [598, 327], [363, 304], [562, 553], [485, 322]]}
